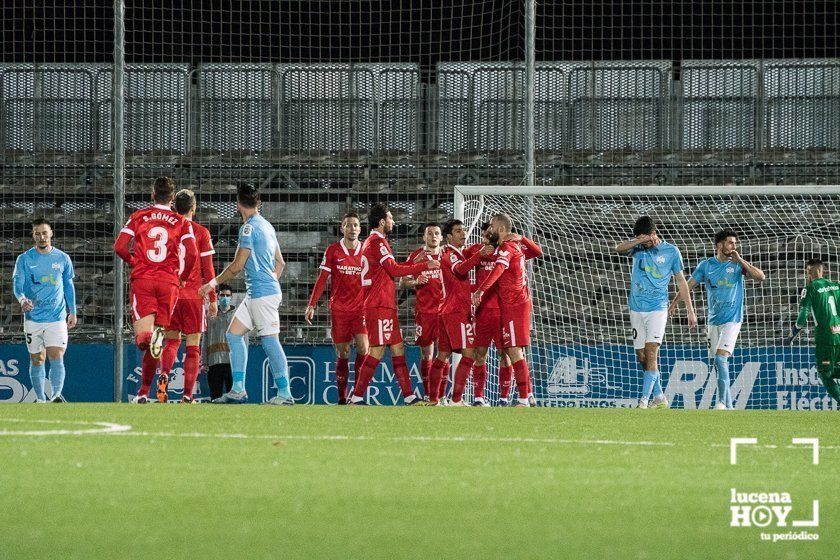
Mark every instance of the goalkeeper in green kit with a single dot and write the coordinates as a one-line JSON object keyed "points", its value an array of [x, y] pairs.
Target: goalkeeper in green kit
{"points": [[820, 298]]}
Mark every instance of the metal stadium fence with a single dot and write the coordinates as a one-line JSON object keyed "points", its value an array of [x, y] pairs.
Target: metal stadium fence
{"points": [[107, 99]]}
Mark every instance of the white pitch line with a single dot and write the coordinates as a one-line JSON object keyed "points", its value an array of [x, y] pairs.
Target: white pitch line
{"points": [[113, 429], [101, 428], [415, 439]]}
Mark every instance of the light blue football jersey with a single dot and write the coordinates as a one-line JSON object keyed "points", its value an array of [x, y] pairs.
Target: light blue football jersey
{"points": [[652, 272], [46, 280], [724, 284], [258, 236]]}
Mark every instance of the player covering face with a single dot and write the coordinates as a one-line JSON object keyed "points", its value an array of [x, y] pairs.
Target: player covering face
{"points": [[655, 263]]}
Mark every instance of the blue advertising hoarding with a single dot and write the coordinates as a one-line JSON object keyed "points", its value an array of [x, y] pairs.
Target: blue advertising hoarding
{"points": [[570, 376]]}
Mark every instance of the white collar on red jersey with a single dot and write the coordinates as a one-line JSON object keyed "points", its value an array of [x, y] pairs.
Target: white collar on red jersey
{"points": [[456, 249], [346, 252], [162, 207], [377, 232]]}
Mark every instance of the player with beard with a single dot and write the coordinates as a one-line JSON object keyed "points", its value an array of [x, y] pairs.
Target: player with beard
{"points": [[515, 297], [723, 278], [488, 323], [379, 269]]}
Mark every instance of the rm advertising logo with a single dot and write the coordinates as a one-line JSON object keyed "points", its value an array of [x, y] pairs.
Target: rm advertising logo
{"points": [[784, 518]]}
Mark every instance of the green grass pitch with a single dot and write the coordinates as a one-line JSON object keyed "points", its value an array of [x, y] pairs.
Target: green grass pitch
{"points": [[404, 482]]}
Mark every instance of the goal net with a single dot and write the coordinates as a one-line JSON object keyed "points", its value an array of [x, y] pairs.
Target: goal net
{"points": [[582, 353]]}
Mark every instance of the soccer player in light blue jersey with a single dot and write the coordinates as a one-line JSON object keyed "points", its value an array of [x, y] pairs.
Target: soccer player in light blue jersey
{"points": [[723, 278], [258, 254], [655, 262], [43, 284]]}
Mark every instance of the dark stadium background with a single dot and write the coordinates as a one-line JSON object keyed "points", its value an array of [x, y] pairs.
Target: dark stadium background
{"points": [[418, 31]]}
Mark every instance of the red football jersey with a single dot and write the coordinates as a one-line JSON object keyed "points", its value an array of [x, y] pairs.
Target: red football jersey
{"points": [[513, 283], [197, 278], [428, 296], [456, 285], [345, 268], [490, 299], [379, 287], [158, 232]]}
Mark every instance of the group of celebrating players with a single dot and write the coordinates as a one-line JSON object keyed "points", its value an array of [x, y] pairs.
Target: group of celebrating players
{"points": [[452, 314], [467, 298]]}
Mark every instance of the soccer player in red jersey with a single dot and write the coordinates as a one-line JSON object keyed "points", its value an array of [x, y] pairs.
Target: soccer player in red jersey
{"points": [[189, 315], [342, 265], [488, 330], [158, 265], [428, 300], [379, 268], [514, 295], [456, 323]]}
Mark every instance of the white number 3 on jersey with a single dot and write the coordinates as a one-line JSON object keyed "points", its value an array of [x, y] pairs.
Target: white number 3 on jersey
{"points": [[160, 237]]}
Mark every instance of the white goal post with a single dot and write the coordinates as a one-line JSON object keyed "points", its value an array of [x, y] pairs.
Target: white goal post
{"points": [[582, 353]]}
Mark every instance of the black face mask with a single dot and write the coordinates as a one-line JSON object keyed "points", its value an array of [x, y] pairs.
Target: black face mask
{"points": [[494, 238]]}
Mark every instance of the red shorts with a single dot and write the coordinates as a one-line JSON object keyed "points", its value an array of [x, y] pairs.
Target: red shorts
{"points": [[427, 328], [189, 316], [488, 327], [344, 325], [152, 297], [383, 326], [516, 326], [456, 332]]}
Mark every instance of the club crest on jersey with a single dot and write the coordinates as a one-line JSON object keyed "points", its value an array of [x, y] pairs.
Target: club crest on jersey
{"points": [[660, 260], [730, 269], [56, 266]]}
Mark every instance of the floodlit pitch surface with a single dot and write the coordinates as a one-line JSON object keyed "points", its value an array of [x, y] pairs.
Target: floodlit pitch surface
{"points": [[121, 481]]}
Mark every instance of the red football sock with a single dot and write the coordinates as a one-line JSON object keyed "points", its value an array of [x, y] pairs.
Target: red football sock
{"points": [[444, 379], [520, 370], [149, 367], [462, 373], [425, 372], [364, 376], [505, 374], [438, 367], [403, 377], [357, 367], [142, 340], [342, 374], [479, 379], [191, 369], [169, 355]]}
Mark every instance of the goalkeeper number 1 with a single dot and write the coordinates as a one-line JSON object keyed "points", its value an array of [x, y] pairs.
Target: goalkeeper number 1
{"points": [[819, 299]]}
